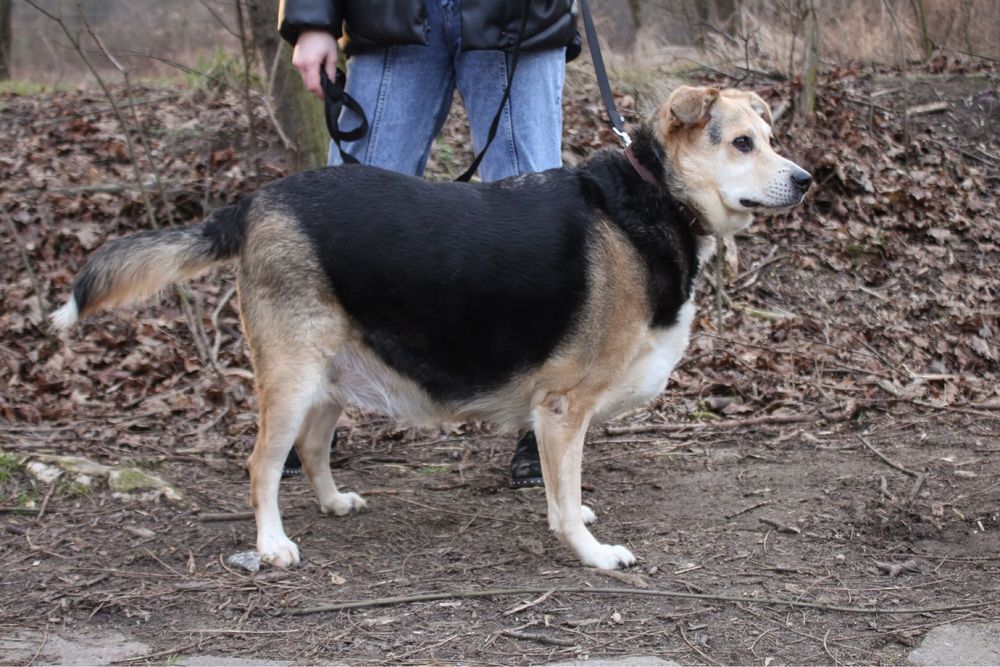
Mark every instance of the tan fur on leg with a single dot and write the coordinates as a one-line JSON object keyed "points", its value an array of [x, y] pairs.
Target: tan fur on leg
{"points": [[313, 446], [561, 425], [286, 391]]}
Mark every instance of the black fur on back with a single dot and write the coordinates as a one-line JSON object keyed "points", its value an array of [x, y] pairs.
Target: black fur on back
{"points": [[459, 286]]}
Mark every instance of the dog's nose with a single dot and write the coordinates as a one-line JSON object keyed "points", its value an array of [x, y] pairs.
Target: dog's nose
{"points": [[802, 179]]}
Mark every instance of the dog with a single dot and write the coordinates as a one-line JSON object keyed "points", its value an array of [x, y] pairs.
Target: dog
{"points": [[550, 301]]}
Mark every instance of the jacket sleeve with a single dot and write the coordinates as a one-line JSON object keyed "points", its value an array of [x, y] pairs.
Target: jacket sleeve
{"points": [[294, 16]]}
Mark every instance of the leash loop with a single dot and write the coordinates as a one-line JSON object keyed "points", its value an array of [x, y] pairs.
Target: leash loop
{"points": [[336, 98]]}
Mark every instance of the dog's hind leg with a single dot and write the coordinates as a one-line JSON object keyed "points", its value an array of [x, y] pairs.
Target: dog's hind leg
{"points": [[561, 426], [313, 446], [286, 391]]}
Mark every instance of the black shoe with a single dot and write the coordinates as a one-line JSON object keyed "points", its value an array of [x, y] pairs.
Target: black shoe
{"points": [[293, 464], [525, 467]]}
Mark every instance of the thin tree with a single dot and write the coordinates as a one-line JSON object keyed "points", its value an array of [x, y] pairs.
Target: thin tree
{"points": [[5, 38], [810, 71], [298, 114], [190, 306], [925, 40]]}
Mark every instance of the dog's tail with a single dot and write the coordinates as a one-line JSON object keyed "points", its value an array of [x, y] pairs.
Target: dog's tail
{"points": [[138, 266]]}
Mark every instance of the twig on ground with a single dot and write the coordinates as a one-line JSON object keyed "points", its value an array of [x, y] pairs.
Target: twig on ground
{"points": [[45, 501], [4, 509], [719, 425], [751, 508], [895, 569], [170, 651], [537, 637], [780, 527], [951, 408], [701, 654], [210, 517], [420, 649], [826, 647], [501, 592], [885, 459], [525, 605], [930, 107], [917, 476]]}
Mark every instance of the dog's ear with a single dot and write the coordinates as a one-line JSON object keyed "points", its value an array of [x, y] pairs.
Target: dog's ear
{"points": [[761, 107], [688, 106]]}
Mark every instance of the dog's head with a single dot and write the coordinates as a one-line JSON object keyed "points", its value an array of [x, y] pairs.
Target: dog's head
{"points": [[722, 158]]}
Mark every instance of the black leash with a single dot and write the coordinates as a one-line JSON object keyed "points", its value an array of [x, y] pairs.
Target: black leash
{"points": [[336, 98], [467, 174], [617, 124]]}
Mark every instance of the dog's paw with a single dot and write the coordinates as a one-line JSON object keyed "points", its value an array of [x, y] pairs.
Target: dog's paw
{"points": [[588, 515], [344, 503], [278, 550], [608, 557]]}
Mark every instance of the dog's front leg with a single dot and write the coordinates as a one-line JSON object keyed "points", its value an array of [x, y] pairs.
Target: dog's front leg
{"points": [[561, 427]]}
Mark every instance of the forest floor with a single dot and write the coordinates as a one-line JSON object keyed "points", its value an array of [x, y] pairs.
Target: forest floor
{"points": [[819, 484]]}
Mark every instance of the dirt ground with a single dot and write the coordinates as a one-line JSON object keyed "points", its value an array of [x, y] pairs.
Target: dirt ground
{"points": [[821, 480]]}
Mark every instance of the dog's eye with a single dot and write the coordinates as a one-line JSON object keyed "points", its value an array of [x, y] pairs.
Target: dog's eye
{"points": [[744, 144]]}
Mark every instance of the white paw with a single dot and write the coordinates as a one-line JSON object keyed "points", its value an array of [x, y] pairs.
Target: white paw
{"points": [[344, 503], [588, 515], [277, 550], [607, 556]]}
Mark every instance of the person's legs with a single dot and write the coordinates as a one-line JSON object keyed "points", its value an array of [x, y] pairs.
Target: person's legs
{"points": [[529, 138], [529, 135], [406, 93]]}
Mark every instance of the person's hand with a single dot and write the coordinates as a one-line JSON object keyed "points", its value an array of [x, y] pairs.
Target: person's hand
{"points": [[315, 49]]}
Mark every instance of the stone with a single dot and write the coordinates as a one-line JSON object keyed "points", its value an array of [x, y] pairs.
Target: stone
{"points": [[959, 644], [248, 560]]}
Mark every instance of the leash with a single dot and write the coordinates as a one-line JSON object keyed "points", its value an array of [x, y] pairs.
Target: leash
{"points": [[336, 98], [467, 174], [617, 124]]}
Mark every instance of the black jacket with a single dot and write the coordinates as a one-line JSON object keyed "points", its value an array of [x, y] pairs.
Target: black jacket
{"points": [[486, 24]]}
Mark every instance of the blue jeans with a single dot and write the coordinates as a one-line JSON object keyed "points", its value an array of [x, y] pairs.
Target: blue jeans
{"points": [[406, 92]]}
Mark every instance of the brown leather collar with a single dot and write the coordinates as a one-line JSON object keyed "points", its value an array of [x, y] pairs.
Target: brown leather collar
{"points": [[646, 174], [697, 224]]}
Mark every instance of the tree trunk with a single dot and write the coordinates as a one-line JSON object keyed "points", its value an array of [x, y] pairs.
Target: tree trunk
{"points": [[807, 100], [5, 37], [297, 111], [925, 39]]}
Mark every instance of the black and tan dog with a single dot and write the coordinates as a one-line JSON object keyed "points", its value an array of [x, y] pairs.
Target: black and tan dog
{"points": [[551, 300]]}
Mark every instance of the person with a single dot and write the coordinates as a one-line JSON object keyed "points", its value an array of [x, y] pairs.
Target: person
{"points": [[406, 58]]}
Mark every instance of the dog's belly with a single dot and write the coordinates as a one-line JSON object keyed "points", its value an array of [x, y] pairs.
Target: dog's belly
{"points": [[648, 374], [357, 377]]}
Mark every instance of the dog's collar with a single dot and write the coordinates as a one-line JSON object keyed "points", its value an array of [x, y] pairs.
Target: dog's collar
{"points": [[697, 224], [640, 169]]}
